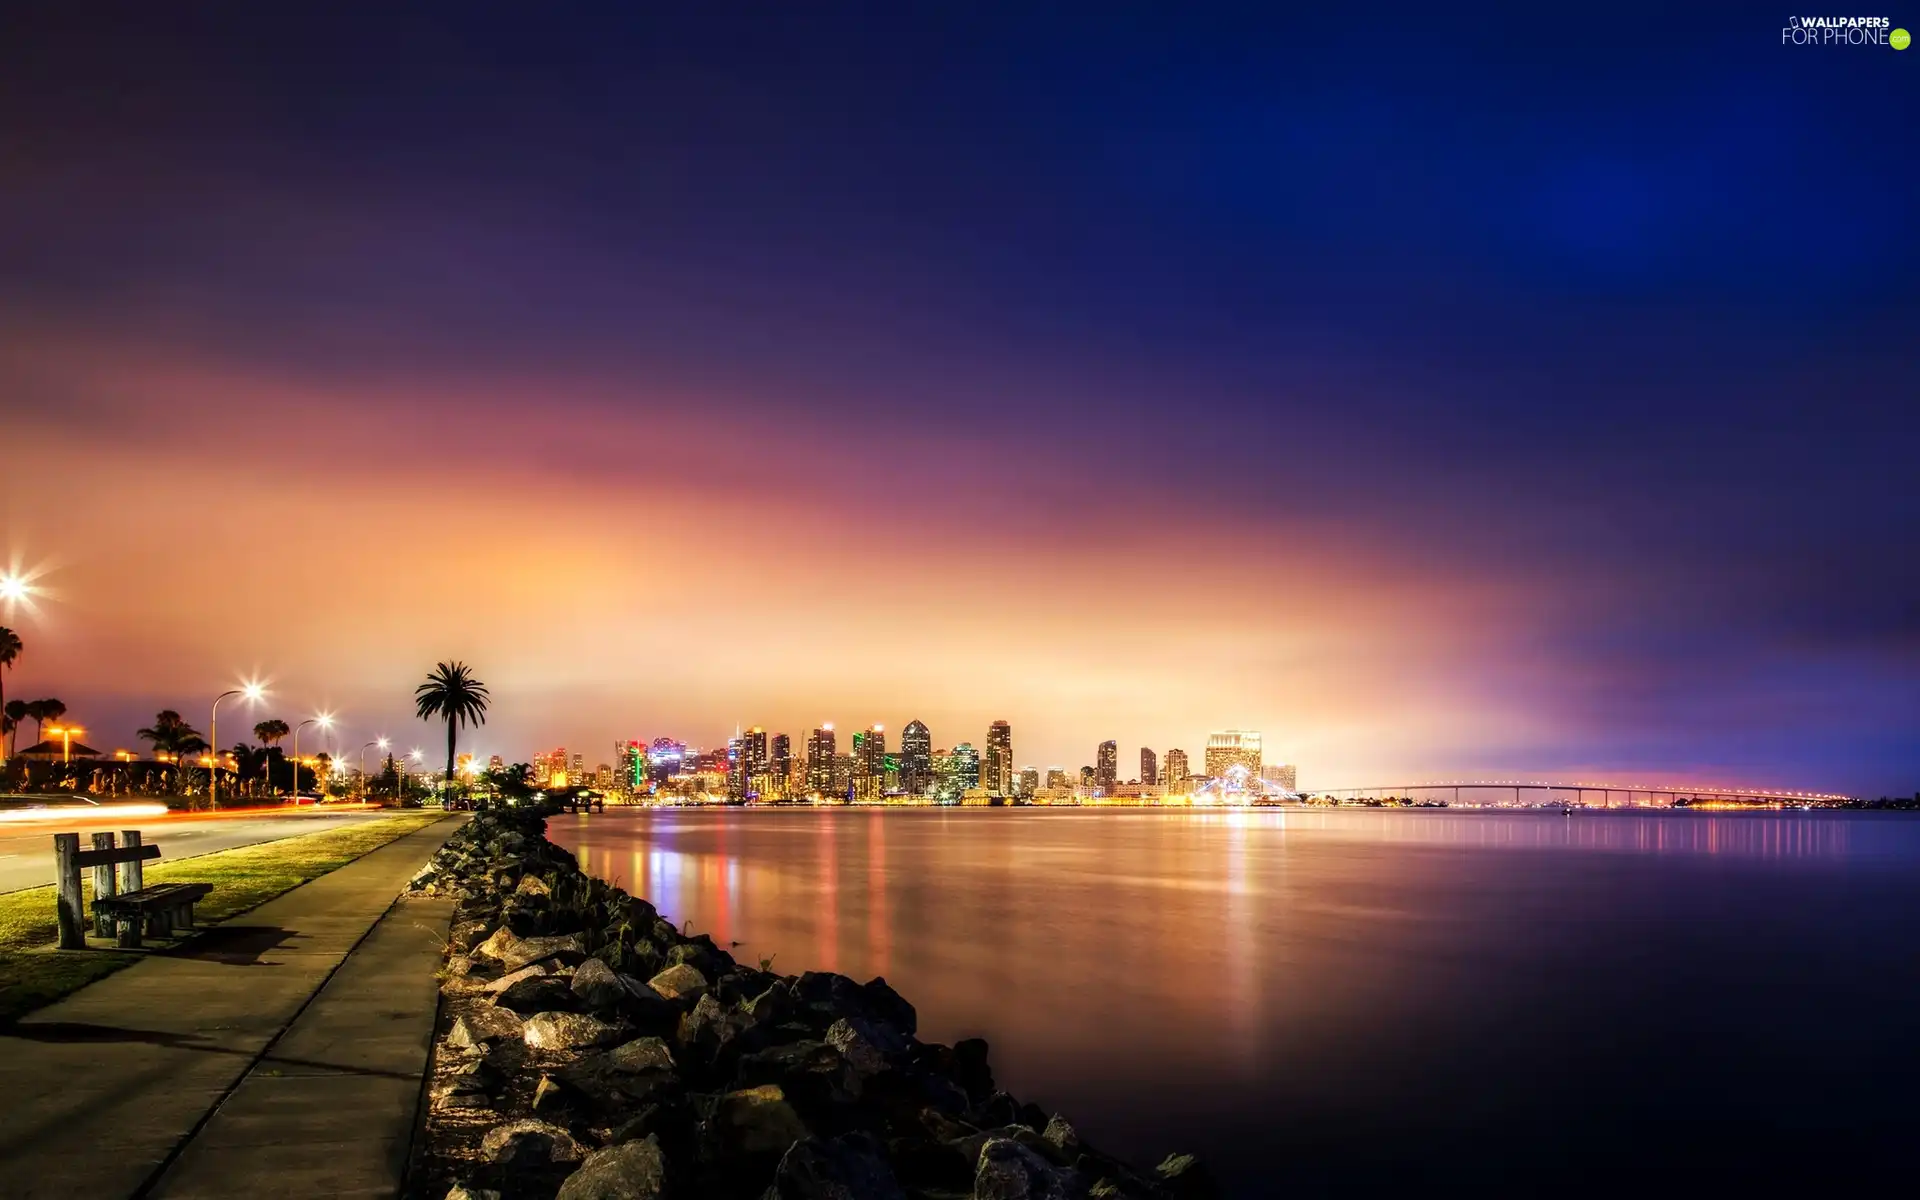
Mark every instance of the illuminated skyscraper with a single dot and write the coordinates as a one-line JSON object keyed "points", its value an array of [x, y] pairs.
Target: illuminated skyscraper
{"points": [[782, 760], [1028, 783], [1149, 767], [1283, 775], [1056, 777], [870, 762], [666, 758], [996, 769], [753, 746], [1232, 748], [1174, 772], [632, 766], [821, 749], [1087, 777], [966, 766], [916, 759], [1106, 766]]}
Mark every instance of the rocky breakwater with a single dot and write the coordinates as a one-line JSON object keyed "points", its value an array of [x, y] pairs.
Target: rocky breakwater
{"points": [[589, 1050]]}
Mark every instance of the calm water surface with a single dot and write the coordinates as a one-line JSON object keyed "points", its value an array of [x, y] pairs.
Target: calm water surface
{"points": [[1350, 1002]]}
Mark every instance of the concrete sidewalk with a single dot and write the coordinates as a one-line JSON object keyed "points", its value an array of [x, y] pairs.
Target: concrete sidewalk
{"points": [[101, 1090]]}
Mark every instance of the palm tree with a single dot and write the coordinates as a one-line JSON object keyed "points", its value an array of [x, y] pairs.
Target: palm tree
{"points": [[10, 648], [171, 734], [43, 711], [16, 713], [452, 694], [270, 732]]}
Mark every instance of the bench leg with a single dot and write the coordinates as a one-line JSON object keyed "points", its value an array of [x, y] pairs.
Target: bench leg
{"points": [[157, 924], [130, 933]]}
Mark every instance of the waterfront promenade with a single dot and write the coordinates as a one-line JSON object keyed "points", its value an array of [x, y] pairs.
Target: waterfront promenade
{"points": [[280, 1053]]}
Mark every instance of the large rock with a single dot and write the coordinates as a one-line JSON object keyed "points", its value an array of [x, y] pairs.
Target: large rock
{"points": [[845, 1168], [536, 971], [512, 951], [537, 995], [629, 1171], [461, 1191], [528, 1143], [641, 1054], [862, 1044], [970, 1068], [759, 1120], [596, 984], [890, 1006], [1010, 1171], [1187, 1178], [567, 1031], [679, 982]]}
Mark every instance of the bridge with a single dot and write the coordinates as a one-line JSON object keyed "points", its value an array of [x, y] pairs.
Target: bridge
{"points": [[1547, 792]]}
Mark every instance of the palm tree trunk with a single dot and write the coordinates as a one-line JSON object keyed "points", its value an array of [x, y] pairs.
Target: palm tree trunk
{"points": [[449, 753]]}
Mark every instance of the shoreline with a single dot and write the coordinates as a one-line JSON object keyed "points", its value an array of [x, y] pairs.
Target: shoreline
{"points": [[587, 1048]]}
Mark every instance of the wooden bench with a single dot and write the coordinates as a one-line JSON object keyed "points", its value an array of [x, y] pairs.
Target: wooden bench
{"points": [[121, 899], [160, 910]]}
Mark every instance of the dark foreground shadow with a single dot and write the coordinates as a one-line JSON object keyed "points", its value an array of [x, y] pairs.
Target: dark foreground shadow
{"points": [[237, 945], [82, 1033]]}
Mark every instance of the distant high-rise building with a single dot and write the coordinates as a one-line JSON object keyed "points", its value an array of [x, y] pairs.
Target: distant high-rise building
{"points": [[822, 748], [1174, 773], [996, 769], [633, 766], [666, 758], [1028, 783], [916, 759], [495, 762], [966, 766], [1149, 767], [753, 747], [1231, 748], [550, 768], [1282, 775], [870, 762], [781, 763], [1056, 777], [1087, 777], [1106, 766], [577, 767]]}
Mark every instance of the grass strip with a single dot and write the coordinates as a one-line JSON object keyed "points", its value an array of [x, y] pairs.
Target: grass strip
{"points": [[33, 973]]}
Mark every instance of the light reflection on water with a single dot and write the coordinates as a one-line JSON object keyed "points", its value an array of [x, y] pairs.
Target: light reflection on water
{"points": [[1336, 982]]}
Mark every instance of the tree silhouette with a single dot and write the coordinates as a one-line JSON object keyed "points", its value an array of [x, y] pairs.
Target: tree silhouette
{"points": [[452, 694], [10, 648], [43, 711]]}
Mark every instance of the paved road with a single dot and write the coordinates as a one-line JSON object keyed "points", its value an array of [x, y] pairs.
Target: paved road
{"points": [[26, 851]]}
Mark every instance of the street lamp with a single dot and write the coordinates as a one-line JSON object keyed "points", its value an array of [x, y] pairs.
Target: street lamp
{"points": [[380, 742], [65, 733], [252, 692], [324, 721]]}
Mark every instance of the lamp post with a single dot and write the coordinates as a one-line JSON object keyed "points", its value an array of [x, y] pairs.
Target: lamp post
{"points": [[380, 742], [324, 721], [66, 733], [252, 692]]}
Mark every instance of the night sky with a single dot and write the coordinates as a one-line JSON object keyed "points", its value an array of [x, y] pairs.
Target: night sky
{"points": [[1440, 391]]}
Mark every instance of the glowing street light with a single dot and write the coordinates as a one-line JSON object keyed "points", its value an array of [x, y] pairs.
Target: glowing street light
{"points": [[380, 742], [324, 721], [65, 734], [13, 589], [253, 692]]}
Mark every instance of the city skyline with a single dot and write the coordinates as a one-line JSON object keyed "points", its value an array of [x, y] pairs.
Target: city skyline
{"points": [[1111, 377]]}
